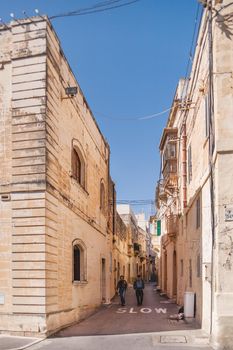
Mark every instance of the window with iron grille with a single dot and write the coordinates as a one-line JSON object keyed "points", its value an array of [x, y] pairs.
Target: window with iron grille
{"points": [[78, 167], [79, 262], [77, 272]]}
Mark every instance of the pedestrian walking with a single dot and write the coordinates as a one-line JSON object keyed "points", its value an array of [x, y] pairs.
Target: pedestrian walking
{"points": [[138, 287], [121, 288]]}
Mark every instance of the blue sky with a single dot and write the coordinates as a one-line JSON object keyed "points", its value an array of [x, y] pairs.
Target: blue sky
{"points": [[128, 62]]}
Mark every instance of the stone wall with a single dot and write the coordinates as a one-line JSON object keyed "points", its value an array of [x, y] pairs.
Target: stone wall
{"points": [[44, 210]]}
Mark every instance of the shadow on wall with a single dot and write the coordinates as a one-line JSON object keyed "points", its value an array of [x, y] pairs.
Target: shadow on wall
{"points": [[225, 22]]}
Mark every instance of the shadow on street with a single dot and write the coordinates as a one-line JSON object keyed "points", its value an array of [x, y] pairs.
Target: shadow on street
{"points": [[152, 316]]}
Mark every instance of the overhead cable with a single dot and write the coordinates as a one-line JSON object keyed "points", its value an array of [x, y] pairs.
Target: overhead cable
{"points": [[99, 7], [146, 117], [193, 42], [141, 202]]}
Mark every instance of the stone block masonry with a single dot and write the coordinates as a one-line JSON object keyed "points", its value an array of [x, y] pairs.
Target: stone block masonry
{"points": [[43, 209]]}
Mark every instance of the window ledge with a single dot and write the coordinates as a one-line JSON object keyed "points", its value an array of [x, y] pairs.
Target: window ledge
{"points": [[80, 283], [74, 181]]}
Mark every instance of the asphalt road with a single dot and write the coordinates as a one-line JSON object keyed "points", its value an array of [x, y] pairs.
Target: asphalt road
{"points": [[152, 316], [114, 327]]}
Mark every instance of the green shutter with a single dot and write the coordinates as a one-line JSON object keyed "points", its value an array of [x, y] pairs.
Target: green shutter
{"points": [[158, 227]]}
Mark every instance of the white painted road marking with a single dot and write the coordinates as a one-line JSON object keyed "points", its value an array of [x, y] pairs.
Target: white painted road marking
{"points": [[144, 310]]}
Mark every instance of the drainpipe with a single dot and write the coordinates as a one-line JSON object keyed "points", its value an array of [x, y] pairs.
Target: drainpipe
{"points": [[184, 166], [113, 211]]}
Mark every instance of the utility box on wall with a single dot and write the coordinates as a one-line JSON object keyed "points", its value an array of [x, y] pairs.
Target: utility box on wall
{"points": [[189, 299]]}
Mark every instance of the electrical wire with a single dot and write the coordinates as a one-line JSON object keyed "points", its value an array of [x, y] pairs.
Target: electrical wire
{"points": [[138, 202], [196, 29], [190, 56], [104, 6], [146, 117], [134, 202], [99, 7]]}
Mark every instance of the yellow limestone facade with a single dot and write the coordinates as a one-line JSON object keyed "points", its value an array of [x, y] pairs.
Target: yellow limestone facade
{"points": [[54, 178], [135, 243], [195, 195], [128, 243]]}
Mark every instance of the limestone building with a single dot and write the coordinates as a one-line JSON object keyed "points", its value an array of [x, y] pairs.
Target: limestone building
{"points": [[136, 242], [54, 179], [154, 249], [121, 262], [194, 196]]}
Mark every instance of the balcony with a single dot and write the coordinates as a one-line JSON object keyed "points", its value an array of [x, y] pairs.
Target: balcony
{"points": [[161, 195], [168, 148], [170, 173], [172, 225], [142, 256], [136, 248], [130, 249]]}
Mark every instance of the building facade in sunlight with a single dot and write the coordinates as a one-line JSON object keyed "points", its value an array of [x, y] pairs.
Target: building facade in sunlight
{"points": [[54, 178], [64, 245], [194, 196], [154, 249], [128, 241], [136, 243]]}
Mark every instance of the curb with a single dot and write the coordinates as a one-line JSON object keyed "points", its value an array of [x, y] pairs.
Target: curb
{"points": [[27, 345]]}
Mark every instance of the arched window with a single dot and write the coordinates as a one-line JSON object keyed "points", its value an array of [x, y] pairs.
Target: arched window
{"points": [[78, 166], [79, 262], [102, 196]]}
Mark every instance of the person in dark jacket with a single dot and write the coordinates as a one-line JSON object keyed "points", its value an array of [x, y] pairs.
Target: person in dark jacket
{"points": [[121, 288], [138, 287]]}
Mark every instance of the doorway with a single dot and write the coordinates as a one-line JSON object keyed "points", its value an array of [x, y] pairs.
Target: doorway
{"points": [[129, 273], [165, 272], [103, 280], [174, 289]]}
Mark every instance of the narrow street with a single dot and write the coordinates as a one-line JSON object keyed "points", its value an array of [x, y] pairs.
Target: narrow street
{"points": [[116, 153], [116, 327], [152, 316]]}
